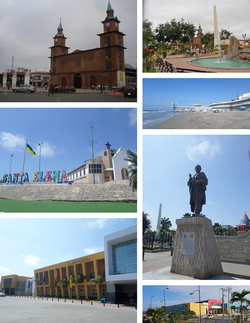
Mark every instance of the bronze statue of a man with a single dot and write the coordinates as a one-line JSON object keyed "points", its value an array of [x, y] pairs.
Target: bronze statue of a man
{"points": [[197, 187]]}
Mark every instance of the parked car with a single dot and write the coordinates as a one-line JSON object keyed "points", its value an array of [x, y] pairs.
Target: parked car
{"points": [[2, 294], [130, 89], [24, 88], [119, 89], [65, 88], [209, 316]]}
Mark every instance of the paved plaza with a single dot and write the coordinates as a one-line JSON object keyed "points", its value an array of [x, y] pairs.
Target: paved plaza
{"points": [[156, 266], [27, 310]]}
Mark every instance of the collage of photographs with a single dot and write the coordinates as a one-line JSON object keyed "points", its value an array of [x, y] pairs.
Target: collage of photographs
{"points": [[85, 88]]}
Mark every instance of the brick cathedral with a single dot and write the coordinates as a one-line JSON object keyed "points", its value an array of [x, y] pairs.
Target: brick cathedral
{"points": [[98, 66]]}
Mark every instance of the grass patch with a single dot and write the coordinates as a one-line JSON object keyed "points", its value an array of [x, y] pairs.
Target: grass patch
{"points": [[66, 206]]}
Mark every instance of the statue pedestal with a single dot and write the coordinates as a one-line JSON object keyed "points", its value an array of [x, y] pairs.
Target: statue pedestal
{"points": [[195, 249]]}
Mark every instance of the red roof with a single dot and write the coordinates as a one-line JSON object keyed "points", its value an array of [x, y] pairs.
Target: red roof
{"points": [[245, 217], [241, 224]]}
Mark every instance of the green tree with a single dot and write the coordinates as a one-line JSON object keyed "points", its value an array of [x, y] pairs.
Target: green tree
{"points": [[132, 159], [146, 222], [224, 34], [148, 35], [187, 315], [158, 314], [165, 225], [217, 229], [186, 215], [98, 280], [188, 32], [240, 297], [208, 40]]}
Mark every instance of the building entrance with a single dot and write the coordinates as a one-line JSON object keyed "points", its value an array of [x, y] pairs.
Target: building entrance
{"points": [[77, 81]]}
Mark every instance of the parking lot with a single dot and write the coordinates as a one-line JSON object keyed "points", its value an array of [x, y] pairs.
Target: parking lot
{"points": [[27, 310]]}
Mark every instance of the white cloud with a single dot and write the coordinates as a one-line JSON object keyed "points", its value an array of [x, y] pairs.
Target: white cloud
{"points": [[12, 142], [67, 257], [4, 270], [204, 149], [97, 223], [132, 117], [47, 150], [31, 260], [89, 251]]}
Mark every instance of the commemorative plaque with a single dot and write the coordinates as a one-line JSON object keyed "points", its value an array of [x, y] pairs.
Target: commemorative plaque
{"points": [[187, 243]]}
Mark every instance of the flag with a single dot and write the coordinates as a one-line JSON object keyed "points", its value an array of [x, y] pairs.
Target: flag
{"points": [[44, 280], [30, 150]]}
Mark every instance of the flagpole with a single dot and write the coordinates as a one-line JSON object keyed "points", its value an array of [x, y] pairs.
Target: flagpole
{"points": [[24, 155]]}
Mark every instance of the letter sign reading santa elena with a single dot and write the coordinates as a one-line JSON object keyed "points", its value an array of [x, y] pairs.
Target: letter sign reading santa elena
{"points": [[187, 243]]}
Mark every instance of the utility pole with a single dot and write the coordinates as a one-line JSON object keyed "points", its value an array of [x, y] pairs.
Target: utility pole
{"points": [[92, 142]]}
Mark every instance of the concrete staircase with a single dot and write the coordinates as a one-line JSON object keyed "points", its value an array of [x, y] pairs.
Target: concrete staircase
{"points": [[110, 191]]}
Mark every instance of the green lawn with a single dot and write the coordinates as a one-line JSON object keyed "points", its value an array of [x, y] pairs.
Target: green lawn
{"points": [[65, 206]]}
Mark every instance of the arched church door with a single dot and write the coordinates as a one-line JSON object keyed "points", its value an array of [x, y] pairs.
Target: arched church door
{"points": [[93, 81], [64, 82], [77, 81]]}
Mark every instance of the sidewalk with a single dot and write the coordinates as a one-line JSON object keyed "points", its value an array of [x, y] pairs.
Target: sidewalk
{"points": [[43, 90], [156, 266]]}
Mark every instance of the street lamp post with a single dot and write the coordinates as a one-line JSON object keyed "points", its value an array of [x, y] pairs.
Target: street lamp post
{"points": [[10, 163], [151, 300], [198, 290], [164, 296], [40, 144]]}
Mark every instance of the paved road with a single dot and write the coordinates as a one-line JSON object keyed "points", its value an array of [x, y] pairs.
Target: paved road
{"points": [[24, 310], [157, 266], [42, 96]]}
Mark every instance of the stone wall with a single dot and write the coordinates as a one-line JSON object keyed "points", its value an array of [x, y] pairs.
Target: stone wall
{"points": [[234, 249], [110, 191]]}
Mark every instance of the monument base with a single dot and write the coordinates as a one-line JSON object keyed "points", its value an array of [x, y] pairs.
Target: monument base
{"points": [[195, 249]]}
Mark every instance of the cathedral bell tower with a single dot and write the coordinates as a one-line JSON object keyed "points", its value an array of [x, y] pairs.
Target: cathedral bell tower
{"points": [[111, 40], [59, 47]]}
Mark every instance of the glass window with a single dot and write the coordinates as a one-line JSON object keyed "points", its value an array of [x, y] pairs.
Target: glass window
{"points": [[97, 168], [124, 257], [106, 53]]}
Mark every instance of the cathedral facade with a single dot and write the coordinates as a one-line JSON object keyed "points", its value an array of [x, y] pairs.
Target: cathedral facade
{"points": [[85, 68]]}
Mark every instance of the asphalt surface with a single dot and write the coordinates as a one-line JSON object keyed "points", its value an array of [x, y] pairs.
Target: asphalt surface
{"points": [[156, 266], [26, 310], [79, 96]]}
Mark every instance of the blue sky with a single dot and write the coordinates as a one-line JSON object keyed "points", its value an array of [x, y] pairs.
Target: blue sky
{"points": [[28, 244], [158, 94], [65, 133], [169, 159], [180, 294]]}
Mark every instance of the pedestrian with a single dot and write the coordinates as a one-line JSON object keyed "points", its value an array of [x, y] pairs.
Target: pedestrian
{"points": [[46, 87], [93, 87], [50, 90], [8, 86]]}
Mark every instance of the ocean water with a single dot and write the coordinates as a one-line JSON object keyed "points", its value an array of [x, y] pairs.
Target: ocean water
{"points": [[153, 117]]}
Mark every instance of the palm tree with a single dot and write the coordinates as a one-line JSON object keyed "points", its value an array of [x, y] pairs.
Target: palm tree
{"points": [[98, 280], [165, 225], [217, 228], [240, 297], [132, 159], [158, 314], [146, 222]]}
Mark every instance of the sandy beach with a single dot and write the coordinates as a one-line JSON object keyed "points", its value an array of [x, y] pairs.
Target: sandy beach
{"points": [[208, 120]]}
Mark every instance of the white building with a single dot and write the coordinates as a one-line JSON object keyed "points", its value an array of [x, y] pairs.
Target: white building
{"points": [[121, 266]]}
